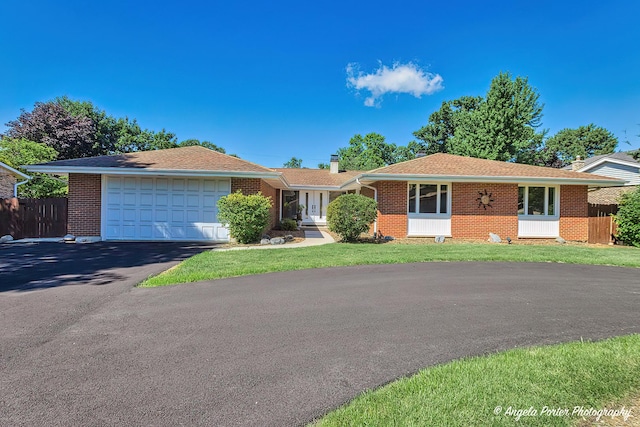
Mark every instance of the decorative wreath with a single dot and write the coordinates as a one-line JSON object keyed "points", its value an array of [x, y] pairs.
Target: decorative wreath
{"points": [[485, 199]]}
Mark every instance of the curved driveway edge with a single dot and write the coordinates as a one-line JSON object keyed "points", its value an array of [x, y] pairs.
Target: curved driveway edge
{"points": [[284, 348]]}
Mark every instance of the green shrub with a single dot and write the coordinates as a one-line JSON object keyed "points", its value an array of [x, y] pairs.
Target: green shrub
{"points": [[288, 224], [246, 216], [628, 218], [351, 215]]}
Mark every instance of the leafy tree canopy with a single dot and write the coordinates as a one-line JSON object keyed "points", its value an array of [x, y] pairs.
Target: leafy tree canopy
{"points": [[586, 141], [294, 162], [19, 152], [206, 144], [80, 129], [502, 125]]}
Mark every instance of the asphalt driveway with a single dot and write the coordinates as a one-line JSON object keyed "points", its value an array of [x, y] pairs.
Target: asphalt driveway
{"points": [[283, 348]]}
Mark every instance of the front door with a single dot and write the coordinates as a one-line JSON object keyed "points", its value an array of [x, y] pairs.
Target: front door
{"points": [[315, 206]]}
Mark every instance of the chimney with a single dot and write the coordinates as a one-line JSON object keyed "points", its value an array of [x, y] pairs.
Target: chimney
{"points": [[577, 164], [333, 164], [420, 153]]}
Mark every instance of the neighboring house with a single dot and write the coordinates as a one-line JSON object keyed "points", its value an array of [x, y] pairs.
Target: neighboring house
{"points": [[616, 165], [172, 194], [10, 178]]}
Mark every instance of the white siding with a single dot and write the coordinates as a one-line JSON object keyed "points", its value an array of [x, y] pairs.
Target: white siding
{"points": [[538, 226], [428, 227], [614, 170]]}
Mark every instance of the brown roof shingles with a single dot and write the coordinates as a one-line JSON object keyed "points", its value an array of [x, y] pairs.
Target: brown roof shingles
{"points": [[459, 166], [316, 177], [609, 195], [183, 158]]}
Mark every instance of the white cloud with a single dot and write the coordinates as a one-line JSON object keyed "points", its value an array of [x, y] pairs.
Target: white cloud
{"points": [[400, 78]]}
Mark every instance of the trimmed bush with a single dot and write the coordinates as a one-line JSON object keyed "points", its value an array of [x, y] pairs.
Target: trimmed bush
{"points": [[246, 216], [628, 218], [288, 224], [350, 215]]}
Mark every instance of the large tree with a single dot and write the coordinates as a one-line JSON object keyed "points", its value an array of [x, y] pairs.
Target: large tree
{"points": [[586, 141], [366, 153], [500, 126], [80, 129], [50, 124], [20, 152]]}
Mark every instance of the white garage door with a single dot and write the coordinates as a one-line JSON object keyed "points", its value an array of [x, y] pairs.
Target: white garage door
{"points": [[141, 208]]}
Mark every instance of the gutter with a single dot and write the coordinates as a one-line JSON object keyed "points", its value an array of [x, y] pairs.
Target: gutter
{"points": [[15, 187], [375, 197]]}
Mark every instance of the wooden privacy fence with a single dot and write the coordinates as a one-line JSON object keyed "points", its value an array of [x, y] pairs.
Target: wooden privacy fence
{"points": [[23, 218], [602, 229]]}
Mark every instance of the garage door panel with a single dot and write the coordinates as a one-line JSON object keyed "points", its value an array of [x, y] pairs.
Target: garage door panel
{"points": [[146, 199], [129, 215], [193, 201], [177, 201], [146, 215], [177, 184], [146, 231], [162, 184], [142, 208], [146, 183], [130, 183]]}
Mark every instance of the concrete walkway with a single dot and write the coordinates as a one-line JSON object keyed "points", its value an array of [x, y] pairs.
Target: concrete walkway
{"points": [[312, 237]]}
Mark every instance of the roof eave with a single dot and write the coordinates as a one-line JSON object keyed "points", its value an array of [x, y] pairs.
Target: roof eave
{"points": [[609, 160], [63, 170], [497, 179], [14, 171]]}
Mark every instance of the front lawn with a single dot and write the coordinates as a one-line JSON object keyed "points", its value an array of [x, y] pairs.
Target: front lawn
{"points": [[541, 386], [217, 265]]}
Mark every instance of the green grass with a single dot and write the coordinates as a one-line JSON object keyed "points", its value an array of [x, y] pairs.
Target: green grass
{"points": [[217, 265], [466, 392]]}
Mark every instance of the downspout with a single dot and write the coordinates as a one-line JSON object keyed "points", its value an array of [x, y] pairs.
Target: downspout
{"points": [[375, 197], [15, 187]]}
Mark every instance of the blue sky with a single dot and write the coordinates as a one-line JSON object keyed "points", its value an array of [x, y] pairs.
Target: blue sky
{"points": [[269, 81]]}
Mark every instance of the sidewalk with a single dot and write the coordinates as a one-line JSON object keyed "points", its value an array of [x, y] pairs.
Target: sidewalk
{"points": [[313, 237]]}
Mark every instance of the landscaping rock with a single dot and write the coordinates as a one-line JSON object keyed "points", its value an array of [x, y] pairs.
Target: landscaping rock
{"points": [[69, 238], [288, 238], [560, 240], [277, 241], [266, 236], [265, 241], [439, 239], [389, 238], [6, 238], [494, 238]]}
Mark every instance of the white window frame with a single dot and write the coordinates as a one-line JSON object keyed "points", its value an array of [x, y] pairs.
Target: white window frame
{"points": [[556, 201], [417, 214]]}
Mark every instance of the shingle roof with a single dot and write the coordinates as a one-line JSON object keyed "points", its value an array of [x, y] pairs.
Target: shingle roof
{"points": [[609, 195], [459, 166], [193, 158], [618, 156], [316, 177]]}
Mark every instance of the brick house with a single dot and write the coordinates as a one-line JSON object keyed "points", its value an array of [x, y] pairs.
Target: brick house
{"points": [[171, 195], [9, 177]]}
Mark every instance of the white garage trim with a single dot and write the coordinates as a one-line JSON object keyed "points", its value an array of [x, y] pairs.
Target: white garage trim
{"points": [[162, 208]]}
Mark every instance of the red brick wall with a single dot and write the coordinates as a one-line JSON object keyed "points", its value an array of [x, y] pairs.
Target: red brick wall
{"points": [[84, 204], [254, 185], [392, 208], [470, 221], [574, 212]]}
